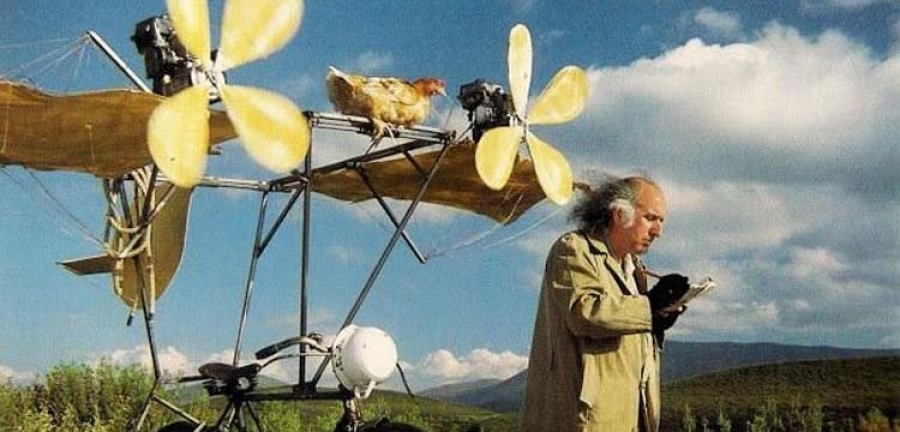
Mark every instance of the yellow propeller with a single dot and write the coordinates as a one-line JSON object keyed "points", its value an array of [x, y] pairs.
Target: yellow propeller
{"points": [[561, 100], [272, 129]]}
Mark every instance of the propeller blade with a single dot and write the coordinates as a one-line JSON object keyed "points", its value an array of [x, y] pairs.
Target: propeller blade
{"points": [[274, 131], [552, 170], [190, 18], [252, 29], [563, 98], [178, 136], [519, 60], [496, 155]]}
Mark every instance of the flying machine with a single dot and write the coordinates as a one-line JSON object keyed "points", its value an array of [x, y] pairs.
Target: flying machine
{"points": [[148, 148]]}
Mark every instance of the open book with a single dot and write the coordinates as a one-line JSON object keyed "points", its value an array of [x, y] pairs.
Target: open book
{"points": [[695, 291]]}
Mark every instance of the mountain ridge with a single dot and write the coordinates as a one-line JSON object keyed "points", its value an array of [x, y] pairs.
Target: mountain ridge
{"points": [[681, 360]]}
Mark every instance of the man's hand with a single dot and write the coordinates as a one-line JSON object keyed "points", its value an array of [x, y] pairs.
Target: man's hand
{"points": [[664, 321], [669, 289]]}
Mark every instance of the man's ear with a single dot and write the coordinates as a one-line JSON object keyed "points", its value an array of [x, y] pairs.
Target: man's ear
{"points": [[618, 216]]}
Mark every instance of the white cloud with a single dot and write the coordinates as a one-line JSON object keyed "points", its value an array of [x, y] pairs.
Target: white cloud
{"points": [[809, 263], [319, 317], [372, 61], [825, 5], [778, 94], [551, 36], [722, 217], [776, 155], [171, 360], [344, 253], [299, 88], [16, 377], [480, 363], [719, 23], [522, 6]]}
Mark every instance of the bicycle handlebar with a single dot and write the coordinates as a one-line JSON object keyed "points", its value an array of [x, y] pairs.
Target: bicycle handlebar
{"points": [[289, 342]]}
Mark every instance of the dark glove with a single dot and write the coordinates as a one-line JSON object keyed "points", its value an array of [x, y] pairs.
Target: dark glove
{"points": [[665, 321], [670, 288]]}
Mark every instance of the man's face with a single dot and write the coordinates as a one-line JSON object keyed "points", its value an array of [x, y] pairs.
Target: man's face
{"points": [[649, 217]]}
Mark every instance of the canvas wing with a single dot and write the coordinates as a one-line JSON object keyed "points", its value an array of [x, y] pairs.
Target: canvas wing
{"points": [[103, 133], [456, 184], [167, 237]]}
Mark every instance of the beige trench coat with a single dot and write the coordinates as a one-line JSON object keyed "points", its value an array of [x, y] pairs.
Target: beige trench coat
{"points": [[588, 348]]}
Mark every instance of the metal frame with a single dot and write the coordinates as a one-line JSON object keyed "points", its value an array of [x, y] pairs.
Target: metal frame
{"points": [[297, 184]]}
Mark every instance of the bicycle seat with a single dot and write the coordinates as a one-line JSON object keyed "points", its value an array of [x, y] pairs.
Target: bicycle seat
{"points": [[229, 373]]}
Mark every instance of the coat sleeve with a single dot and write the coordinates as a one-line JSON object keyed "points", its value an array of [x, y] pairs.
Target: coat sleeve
{"points": [[593, 308]]}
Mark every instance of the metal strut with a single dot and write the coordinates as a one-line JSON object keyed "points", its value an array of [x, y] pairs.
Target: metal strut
{"points": [[384, 256]]}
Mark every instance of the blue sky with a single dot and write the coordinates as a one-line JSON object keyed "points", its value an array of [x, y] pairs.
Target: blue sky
{"points": [[772, 126]]}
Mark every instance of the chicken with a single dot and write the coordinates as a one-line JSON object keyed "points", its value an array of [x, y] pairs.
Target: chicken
{"points": [[382, 100]]}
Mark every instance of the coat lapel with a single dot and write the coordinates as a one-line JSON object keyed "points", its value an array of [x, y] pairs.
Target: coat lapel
{"points": [[601, 253]]}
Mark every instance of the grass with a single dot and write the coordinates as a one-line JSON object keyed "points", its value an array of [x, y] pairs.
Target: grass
{"points": [[836, 395]]}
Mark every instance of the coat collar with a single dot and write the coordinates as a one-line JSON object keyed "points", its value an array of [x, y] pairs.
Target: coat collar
{"points": [[601, 250]]}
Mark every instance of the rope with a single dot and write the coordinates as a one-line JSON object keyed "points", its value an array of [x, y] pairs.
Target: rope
{"points": [[528, 229], [55, 204], [26, 44], [66, 51], [479, 237]]}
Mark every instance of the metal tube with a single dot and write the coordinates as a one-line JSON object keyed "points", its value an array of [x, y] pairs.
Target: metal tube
{"points": [[105, 48], [278, 221], [375, 155], [390, 214], [174, 408], [384, 255], [304, 269], [290, 181], [248, 290], [363, 125]]}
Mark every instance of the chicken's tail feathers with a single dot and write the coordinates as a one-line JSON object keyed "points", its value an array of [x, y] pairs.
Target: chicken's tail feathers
{"points": [[335, 72]]}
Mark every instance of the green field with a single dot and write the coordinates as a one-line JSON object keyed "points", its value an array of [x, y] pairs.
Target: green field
{"points": [[833, 395], [841, 389]]}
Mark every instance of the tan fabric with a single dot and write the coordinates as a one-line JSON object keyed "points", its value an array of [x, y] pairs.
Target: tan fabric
{"points": [[587, 352], [456, 184], [103, 133]]}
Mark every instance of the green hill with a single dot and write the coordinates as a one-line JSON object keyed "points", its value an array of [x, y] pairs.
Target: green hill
{"points": [[844, 388], [680, 360], [828, 394]]}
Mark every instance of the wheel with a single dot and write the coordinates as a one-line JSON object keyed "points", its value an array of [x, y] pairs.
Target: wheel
{"points": [[179, 426]]}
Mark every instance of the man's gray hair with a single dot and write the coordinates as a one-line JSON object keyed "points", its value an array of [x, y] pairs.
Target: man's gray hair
{"points": [[595, 209]]}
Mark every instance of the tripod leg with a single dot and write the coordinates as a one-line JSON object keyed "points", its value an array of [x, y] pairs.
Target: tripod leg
{"points": [[255, 416], [226, 419]]}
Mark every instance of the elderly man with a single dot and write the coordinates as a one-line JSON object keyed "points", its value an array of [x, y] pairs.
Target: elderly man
{"points": [[594, 363]]}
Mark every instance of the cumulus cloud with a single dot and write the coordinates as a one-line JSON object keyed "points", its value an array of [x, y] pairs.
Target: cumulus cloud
{"points": [[480, 363], [784, 108], [522, 6], [776, 154], [300, 87], [719, 23], [16, 377], [549, 37], [171, 360], [174, 362], [372, 61], [826, 5], [319, 317]]}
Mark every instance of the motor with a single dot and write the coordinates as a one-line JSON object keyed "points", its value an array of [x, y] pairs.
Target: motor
{"points": [[488, 105], [166, 60]]}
